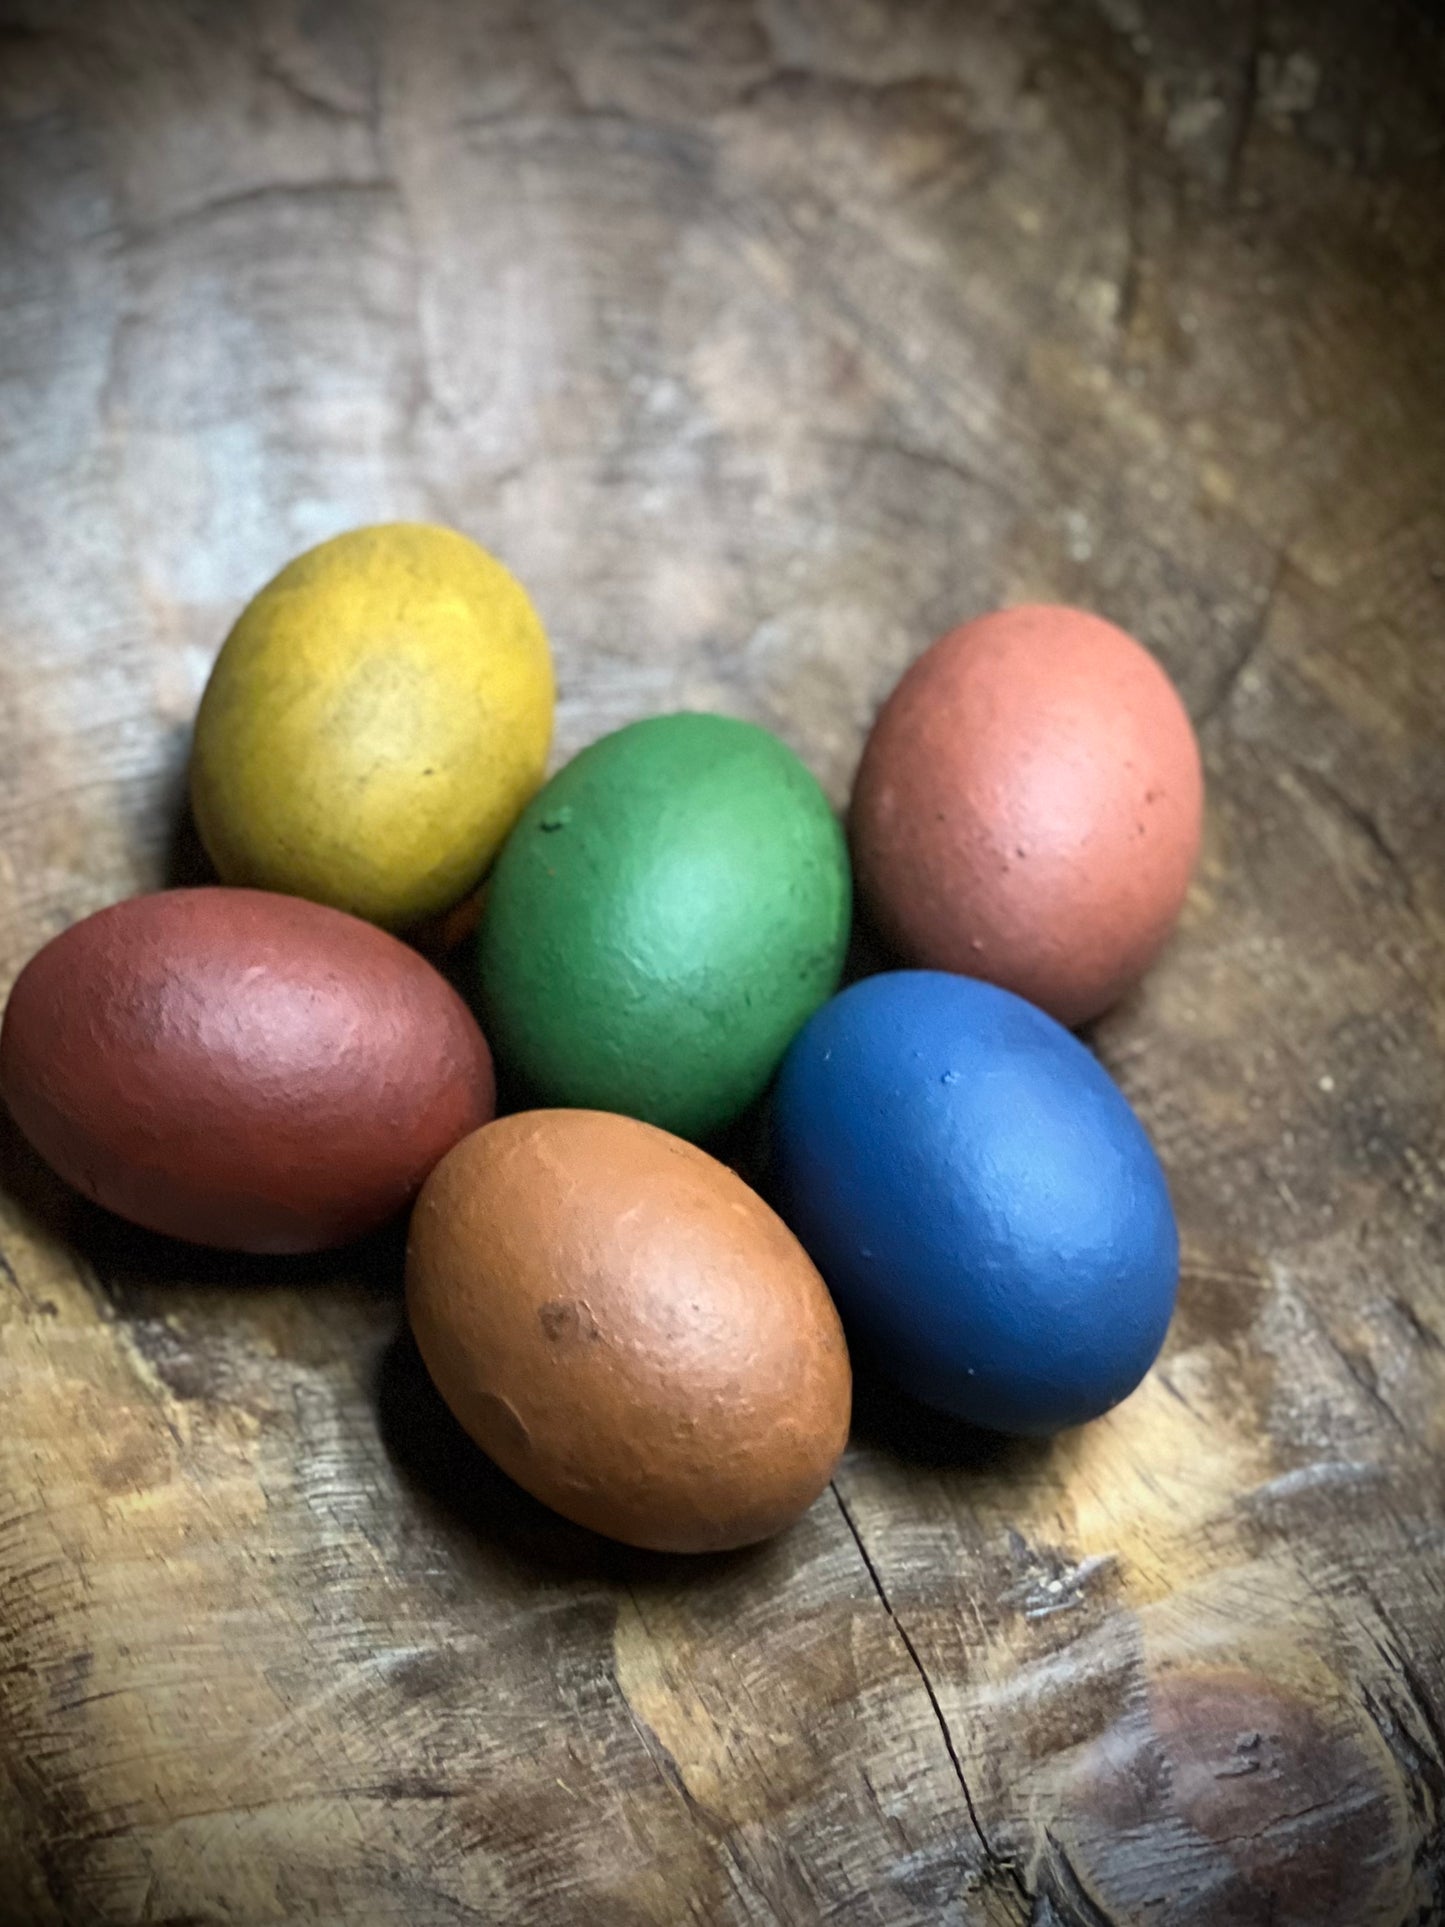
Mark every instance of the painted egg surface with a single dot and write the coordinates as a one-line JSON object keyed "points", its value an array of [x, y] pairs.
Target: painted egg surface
{"points": [[668, 911], [373, 724], [1029, 808], [241, 1069], [982, 1200], [628, 1330]]}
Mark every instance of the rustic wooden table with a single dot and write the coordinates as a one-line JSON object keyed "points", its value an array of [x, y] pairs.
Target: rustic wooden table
{"points": [[764, 341]]}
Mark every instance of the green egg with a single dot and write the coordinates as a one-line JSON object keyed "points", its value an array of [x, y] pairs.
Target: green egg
{"points": [[669, 911]]}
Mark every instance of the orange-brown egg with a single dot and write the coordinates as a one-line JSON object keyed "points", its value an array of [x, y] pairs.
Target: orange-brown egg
{"points": [[629, 1331]]}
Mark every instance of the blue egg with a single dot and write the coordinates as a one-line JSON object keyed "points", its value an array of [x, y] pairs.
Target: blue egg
{"points": [[986, 1207]]}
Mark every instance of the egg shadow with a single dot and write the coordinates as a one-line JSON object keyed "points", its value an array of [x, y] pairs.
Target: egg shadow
{"points": [[513, 1092], [138, 1269], [887, 1419], [186, 864], [743, 1144], [746, 1144], [447, 941], [467, 1492], [869, 951]]}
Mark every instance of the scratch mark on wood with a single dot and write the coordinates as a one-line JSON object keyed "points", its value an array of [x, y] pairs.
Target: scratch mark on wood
{"points": [[1424, 1333], [269, 195], [307, 98], [1363, 820], [1224, 692]]}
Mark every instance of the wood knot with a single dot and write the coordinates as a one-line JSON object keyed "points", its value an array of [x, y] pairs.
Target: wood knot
{"points": [[1267, 1806]]}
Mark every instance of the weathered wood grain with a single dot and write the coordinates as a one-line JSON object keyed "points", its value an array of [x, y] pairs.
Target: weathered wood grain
{"points": [[763, 341]]}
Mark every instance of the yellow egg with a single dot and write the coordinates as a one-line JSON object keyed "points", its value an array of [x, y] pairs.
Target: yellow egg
{"points": [[374, 724]]}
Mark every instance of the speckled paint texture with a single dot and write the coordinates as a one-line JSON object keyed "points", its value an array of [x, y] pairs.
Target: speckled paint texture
{"points": [[980, 1197], [241, 1069], [629, 1331], [669, 910], [1029, 807]]}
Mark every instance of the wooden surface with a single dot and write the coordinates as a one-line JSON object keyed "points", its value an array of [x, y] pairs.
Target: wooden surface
{"points": [[764, 341]]}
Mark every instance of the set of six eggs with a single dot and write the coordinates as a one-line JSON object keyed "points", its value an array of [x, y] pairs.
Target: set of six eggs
{"points": [[613, 1314]]}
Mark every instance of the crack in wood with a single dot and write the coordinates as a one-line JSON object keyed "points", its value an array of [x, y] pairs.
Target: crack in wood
{"points": [[994, 1860], [1131, 276], [1068, 1890], [712, 1824], [1248, 104]]}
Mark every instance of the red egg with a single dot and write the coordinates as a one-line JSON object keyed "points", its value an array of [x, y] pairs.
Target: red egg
{"points": [[241, 1069], [1029, 807]]}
